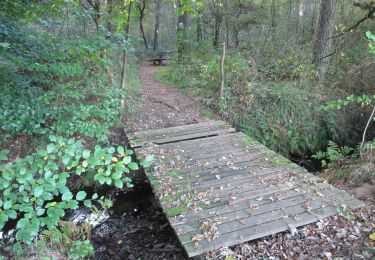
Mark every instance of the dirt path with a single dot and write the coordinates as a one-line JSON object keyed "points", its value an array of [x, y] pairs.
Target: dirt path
{"points": [[163, 106]]}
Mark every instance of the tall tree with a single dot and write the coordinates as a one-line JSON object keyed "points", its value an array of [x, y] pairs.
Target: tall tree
{"points": [[141, 8], [217, 12], [157, 24], [323, 38]]}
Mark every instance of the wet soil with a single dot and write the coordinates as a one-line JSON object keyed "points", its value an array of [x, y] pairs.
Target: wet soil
{"points": [[136, 229]]}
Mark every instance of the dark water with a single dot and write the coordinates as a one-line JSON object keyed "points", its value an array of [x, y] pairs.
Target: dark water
{"points": [[309, 163]]}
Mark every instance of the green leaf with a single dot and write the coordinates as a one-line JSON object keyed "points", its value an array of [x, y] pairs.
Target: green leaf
{"points": [[116, 176], [67, 196], [50, 148], [65, 160], [87, 203], [40, 212], [95, 196], [5, 45], [52, 138], [127, 159], [42, 153], [4, 155], [111, 150], [120, 149], [38, 191], [8, 204], [11, 214], [86, 154], [24, 235], [81, 195], [133, 166], [23, 171], [85, 164], [119, 184]]}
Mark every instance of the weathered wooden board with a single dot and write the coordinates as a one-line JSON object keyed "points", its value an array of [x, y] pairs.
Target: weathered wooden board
{"points": [[179, 133], [218, 187]]}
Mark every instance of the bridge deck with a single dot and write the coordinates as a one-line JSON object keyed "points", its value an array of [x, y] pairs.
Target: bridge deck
{"points": [[218, 187]]}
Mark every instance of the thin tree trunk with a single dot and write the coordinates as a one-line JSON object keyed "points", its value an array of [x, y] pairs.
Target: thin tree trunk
{"points": [[323, 41], [298, 5], [125, 57], [273, 14], [222, 72], [143, 32], [157, 25], [141, 7], [110, 13], [199, 29]]}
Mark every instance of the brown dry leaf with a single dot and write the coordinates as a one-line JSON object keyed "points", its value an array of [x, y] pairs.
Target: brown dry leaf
{"points": [[254, 206], [198, 237], [200, 193]]}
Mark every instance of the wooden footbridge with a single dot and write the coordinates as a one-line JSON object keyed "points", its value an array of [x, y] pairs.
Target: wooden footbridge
{"points": [[219, 187]]}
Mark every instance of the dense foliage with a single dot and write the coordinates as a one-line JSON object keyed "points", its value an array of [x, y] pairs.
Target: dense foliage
{"points": [[272, 89], [59, 92]]}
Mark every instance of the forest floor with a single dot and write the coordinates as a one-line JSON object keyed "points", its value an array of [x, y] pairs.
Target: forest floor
{"points": [[141, 230]]}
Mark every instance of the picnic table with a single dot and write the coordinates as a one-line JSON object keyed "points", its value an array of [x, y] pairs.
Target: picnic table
{"points": [[157, 58]]}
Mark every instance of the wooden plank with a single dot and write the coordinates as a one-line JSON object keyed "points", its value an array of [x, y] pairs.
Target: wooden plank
{"points": [[260, 230], [195, 128], [184, 129], [137, 143], [246, 210]]}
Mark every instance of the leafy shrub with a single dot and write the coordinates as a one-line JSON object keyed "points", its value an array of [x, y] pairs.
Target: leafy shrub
{"points": [[283, 117], [34, 189], [335, 156]]}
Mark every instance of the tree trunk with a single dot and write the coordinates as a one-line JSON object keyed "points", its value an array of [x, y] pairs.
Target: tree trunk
{"points": [[298, 6], [323, 38], [110, 13], [199, 29], [222, 73], [181, 37], [125, 56], [182, 21], [157, 25], [273, 14], [141, 7]]}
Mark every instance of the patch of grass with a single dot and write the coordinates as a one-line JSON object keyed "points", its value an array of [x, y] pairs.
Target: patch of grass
{"points": [[278, 160], [168, 198], [175, 211], [207, 113], [173, 172]]}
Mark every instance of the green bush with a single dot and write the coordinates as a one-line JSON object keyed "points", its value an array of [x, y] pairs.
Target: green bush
{"points": [[34, 189], [283, 117]]}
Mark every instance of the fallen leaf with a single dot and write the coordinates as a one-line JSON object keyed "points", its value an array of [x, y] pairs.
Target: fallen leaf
{"points": [[198, 237]]}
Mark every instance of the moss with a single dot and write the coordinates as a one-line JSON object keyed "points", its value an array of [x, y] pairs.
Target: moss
{"points": [[250, 141], [279, 160], [168, 198], [207, 113], [153, 181], [174, 211], [173, 172]]}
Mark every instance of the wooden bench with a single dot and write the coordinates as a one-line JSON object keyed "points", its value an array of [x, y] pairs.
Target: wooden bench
{"points": [[158, 58]]}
